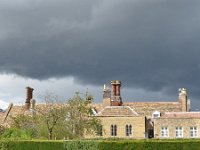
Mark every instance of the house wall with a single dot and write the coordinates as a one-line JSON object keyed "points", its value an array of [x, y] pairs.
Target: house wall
{"points": [[172, 123], [138, 126]]}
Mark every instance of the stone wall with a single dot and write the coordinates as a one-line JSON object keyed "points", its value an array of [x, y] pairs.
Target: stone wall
{"points": [[138, 126], [172, 123]]}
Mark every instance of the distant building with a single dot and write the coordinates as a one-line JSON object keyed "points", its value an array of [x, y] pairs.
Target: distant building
{"points": [[146, 119], [136, 120]]}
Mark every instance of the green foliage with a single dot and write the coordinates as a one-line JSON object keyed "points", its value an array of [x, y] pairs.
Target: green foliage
{"points": [[22, 127], [79, 119], [122, 144], [54, 114], [119, 144], [70, 120], [22, 121], [2, 129], [15, 133], [81, 145], [31, 145]]}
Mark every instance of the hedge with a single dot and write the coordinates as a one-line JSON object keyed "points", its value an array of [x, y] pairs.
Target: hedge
{"points": [[31, 145], [101, 145]]}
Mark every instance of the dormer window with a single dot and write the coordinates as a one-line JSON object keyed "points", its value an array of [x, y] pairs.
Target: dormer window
{"points": [[156, 114], [94, 112]]}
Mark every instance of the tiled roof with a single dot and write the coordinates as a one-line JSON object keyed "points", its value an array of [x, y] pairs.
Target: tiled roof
{"points": [[97, 106], [147, 108], [15, 110], [20, 110], [181, 115], [128, 109], [117, 111]]}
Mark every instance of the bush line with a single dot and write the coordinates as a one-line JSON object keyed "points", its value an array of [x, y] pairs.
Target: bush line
{"points": [[100, 145]]}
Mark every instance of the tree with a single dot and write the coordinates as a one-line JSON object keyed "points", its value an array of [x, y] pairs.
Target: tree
{"points": [[72, 119], [22, 126], [53, 113], [53, 119], [80, 119]]}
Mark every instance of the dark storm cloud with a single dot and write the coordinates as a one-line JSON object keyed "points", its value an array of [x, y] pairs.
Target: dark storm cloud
{"points": [[152, 45]]}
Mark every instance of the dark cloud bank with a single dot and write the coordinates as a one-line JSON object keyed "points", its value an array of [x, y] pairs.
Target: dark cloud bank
{"points": [[153, 45]]}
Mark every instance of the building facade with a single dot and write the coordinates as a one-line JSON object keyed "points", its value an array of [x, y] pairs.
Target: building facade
{"points": [[137, 120], [177, 125], [146, 119]]}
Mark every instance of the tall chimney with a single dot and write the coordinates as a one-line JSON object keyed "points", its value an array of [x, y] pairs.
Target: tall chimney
{"points": [[118, 89], [116, 99], [183, 100], [29, 96], [113, 89], [106, 96]]}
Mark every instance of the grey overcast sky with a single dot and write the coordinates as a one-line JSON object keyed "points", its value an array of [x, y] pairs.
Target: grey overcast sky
{"points": [[152, 46]]}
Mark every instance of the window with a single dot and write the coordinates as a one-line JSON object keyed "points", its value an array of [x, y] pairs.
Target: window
{"points": [[128, 130], [99, 130], [193, 132], [113, 129], [179, 132], [164, 132], [156, 114]]}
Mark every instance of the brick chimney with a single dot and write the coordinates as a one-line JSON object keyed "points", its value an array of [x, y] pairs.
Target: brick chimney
{"points": [[116, 99], [29, 96], [106, 96]]}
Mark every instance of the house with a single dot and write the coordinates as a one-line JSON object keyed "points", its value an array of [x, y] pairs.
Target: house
{"points": [[177, 125], [137, 120]]}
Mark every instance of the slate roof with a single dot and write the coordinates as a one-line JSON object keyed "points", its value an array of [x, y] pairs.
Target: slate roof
{"points": [[128, 109], [117, 111], [147, 108]]}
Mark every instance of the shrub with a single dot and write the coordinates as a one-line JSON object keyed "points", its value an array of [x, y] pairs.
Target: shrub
{"points": [[13, 133], [101, 145]]}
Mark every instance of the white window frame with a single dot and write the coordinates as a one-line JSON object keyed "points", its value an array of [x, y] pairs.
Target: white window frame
{"points": [[156, 114], [193, 132], [164, 132], [179, 132]]}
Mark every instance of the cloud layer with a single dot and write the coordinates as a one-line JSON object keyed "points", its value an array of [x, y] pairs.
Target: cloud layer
{"points": [[152, 45]]}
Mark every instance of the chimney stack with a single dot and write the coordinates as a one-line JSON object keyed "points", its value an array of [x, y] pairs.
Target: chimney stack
{"points": [[106, 92], [29, 96], [116, 97], [106, 96], [183, 100]]}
